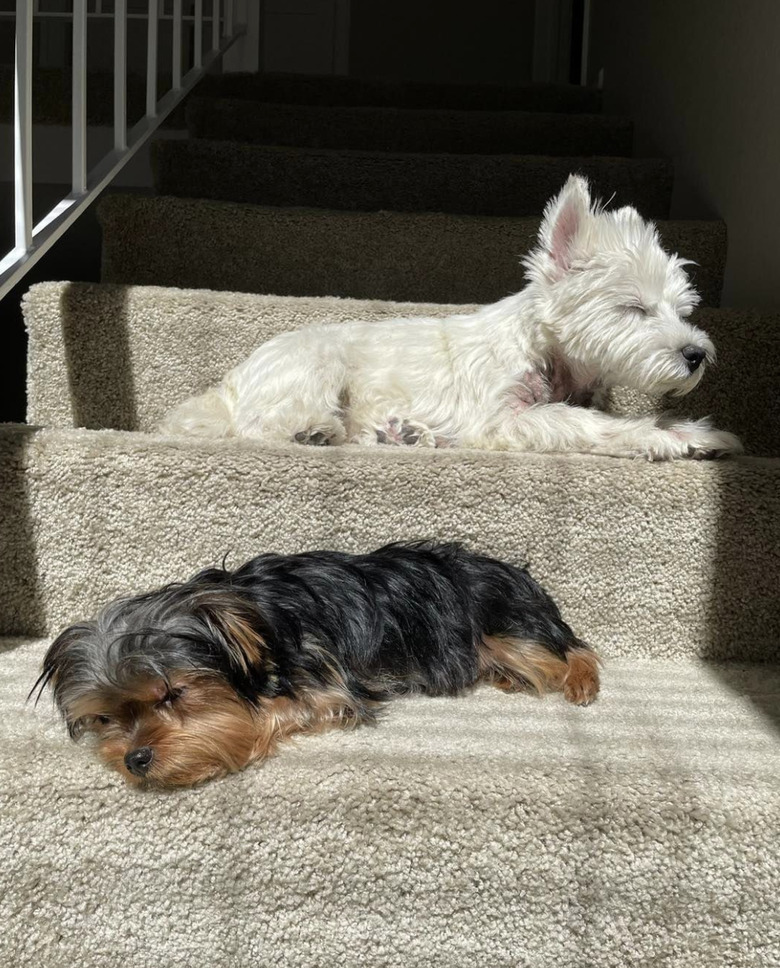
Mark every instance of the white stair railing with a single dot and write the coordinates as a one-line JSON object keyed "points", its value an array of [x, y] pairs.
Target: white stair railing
{"points": [[32, 241]]}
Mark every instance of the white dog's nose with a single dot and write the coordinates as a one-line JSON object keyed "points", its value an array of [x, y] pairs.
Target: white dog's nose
{"points": [[693, 356]]}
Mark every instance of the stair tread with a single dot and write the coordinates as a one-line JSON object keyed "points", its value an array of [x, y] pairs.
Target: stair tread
{"points": [[408, 129], [500, 804], [409, 256], [368, 181]]}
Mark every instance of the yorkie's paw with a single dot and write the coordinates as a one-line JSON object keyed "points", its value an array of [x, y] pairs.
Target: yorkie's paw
{"points": [[581, 683]]}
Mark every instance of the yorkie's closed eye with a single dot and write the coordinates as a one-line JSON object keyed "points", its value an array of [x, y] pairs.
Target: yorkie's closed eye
{"points": [[198, 679], [170, 697]]}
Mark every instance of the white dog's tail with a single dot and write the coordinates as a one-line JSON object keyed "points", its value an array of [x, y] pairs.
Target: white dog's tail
{"points": [[207, 415]]}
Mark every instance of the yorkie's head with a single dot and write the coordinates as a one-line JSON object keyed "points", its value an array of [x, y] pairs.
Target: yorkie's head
{"points": [[170, 684]]}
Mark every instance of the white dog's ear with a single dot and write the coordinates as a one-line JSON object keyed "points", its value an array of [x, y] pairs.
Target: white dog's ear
{"points": [[564, 218]]}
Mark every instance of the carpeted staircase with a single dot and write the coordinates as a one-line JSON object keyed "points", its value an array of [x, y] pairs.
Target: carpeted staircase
{"points": [[491, 830]]}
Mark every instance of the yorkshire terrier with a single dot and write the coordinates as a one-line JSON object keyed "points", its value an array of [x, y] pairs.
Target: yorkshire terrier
{"points": [[198, 679]]}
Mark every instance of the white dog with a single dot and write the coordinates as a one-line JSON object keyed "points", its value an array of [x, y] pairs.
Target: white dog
{"points": [[604, 306]]}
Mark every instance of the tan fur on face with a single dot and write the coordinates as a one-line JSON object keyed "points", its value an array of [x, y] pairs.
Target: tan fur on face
{"points": [[513, 664], [208, 730]]}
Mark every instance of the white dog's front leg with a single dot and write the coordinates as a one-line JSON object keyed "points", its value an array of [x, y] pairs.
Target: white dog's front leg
{"points": [[558, 427]]}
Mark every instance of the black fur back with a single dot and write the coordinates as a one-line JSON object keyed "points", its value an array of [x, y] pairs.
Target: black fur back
{"points": [[407, 616]]}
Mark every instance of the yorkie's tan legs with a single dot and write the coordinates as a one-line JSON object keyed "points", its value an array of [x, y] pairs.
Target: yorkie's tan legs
{"points": [[513, 664]]}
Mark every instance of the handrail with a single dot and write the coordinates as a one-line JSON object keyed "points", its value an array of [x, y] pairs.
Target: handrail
{"points": [[32, 241]]}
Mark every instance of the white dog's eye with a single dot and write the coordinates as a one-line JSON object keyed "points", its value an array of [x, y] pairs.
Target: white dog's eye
{"points": [[637, 308]]}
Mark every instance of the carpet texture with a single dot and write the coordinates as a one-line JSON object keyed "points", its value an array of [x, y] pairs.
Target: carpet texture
{"points": [[369, 181], [332, 89], [488, 830], [411, 256], [658, 560], [120, 357], [401, 129]]}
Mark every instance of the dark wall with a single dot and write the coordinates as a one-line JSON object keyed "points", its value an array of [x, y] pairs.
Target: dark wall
{"points": [[442, 40], [701, 81]]}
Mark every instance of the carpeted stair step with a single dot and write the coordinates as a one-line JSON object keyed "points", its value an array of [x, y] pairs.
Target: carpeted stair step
{"points": [[654, 560], [94, 504], [452, 835], [402, 129], [117, 357], [415, 257], [366, 92], [368, 181]]}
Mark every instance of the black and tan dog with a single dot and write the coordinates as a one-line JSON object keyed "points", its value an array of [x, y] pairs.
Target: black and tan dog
{"points": [[201, 678]]}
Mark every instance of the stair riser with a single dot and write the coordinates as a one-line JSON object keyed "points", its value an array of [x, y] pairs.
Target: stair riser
{"points": [[116, 357], [335, 90], [386, 129], [644, 560], [317, 252], [365, 181]]}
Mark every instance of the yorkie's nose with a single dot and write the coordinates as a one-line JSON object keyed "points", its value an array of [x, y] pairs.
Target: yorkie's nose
{"points": [[138, 761], [693, 356]]}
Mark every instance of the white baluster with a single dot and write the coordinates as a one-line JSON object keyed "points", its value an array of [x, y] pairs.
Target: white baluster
{"points": [[120, 75], [176, 26], [79, 109], [23, 125], [215, 31], [151, 59], [198, 34]]}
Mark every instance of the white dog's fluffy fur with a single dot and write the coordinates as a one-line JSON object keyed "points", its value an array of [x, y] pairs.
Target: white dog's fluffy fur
{"points": [[604, 306]]}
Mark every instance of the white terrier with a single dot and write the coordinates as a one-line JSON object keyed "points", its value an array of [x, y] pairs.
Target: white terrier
{"points": [[604, 306]]}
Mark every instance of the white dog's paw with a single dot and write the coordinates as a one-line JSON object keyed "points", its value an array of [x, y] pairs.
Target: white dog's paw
{"points": [[326, 433], [692, 439], [405, 433]]}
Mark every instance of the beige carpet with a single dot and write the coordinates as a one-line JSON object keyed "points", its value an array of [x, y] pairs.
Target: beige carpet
{"points": [[333, 89], [491, 830], [368, 181], [401, 129], [645, 559], [114, 356], [414, 256]]}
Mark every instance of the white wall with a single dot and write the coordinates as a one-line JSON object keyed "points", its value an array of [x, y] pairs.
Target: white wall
{"points": [[701, 78]]}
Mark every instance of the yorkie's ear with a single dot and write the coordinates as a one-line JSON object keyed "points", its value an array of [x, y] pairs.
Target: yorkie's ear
{"points": [[235, 628], [59, 659]]}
